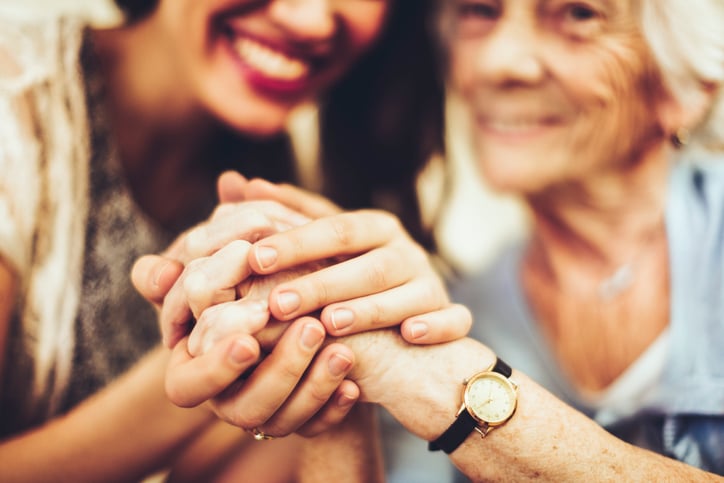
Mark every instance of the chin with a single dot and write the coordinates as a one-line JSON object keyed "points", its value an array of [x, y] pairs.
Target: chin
{"points": [[266, 122]]}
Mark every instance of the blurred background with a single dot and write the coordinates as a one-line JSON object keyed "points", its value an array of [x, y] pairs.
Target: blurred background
{"points": [[475, 223]]}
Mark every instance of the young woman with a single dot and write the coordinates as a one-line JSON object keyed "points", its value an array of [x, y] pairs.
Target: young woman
{"points": [[112, 141]]}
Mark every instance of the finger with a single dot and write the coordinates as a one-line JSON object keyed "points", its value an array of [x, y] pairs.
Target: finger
{"points": [[251, 221], [310, 204], [230, 186], [385, 309], [314, 391], [334, 412], [154, 275], [345, 234], [213, 279], [219, 321], [206, 281], [271, 383], [193, 380], [371, 273], [442, 325]]}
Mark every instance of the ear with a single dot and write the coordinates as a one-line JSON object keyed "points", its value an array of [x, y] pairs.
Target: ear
{"points": [[687, 111]]}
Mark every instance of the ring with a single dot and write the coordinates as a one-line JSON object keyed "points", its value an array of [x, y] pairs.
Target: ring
{"points": [[258, 435]]}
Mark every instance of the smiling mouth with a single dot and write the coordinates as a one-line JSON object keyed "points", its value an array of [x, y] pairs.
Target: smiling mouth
{"points": [[513, 127], [270, 62]]}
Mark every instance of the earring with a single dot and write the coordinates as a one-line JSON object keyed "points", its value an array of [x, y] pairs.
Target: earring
{"points": [[681, 137]]}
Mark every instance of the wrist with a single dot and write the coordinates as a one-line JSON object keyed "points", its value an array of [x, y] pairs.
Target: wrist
{"points": [[421, 386]]}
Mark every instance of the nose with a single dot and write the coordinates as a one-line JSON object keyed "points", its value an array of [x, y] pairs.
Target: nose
{"points": [[306, 21], [512, 54]]}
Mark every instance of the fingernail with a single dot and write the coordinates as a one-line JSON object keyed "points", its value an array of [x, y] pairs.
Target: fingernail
{"points": [[288, 302], [345, 400], [342, 318], [418, 329], [158, 274], [339, 364], [240, 353], [265, 256], [312, 336]]}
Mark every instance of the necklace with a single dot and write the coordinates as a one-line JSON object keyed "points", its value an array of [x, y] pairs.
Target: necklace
{"points": [[617, 283], [623, 277]]}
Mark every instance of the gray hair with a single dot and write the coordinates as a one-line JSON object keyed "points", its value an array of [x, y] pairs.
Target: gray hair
{"points": [[686, 38]]}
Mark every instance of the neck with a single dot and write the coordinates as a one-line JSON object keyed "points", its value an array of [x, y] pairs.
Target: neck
{"points": [[149, 99], [164, 137], [599, 224]]}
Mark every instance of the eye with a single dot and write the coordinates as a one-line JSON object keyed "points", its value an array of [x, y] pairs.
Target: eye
{"points": [[477, 10], [475, 17], [581, 13], [580, 20]]}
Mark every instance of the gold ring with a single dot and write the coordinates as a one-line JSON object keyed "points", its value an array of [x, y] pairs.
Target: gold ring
{"points": [[260, 436]]}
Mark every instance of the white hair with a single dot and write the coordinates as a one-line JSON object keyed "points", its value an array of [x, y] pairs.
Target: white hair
{"points": [[686, 38]]}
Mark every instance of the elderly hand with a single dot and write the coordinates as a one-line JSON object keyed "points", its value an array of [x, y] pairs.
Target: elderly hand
{"points": [[385, 278]]}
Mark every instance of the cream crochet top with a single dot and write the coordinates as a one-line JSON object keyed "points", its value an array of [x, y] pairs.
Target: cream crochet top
{"points": [[77, 321], [43, 187]]}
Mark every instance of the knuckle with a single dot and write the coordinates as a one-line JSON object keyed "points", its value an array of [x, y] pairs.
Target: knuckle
{"points": [[195, 241], [342, 231], [435, 292], [378, 271], [289, 370], [418, 255], [375, 314], [388, 222], [314, 291], [223, 210], [258, 225], [318, 394]]}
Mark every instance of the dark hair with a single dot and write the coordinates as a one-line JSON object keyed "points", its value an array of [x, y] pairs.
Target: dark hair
{"points": [[136, 9], [382, 123], [379, 124]]}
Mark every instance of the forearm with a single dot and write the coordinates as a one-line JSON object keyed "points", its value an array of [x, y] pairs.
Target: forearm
{"points": [[544, 440], [347, 453], [124, 432]]}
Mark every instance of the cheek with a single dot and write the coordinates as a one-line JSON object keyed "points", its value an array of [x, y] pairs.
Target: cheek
{"points": [[364, 21], [608, 76], [461, 65]]}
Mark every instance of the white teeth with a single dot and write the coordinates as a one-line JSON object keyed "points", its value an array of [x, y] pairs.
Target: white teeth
{"points": [[514, 126], [270, 62]]}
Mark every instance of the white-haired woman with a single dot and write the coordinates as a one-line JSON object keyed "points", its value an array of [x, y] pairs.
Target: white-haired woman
{"points": [[603, 116], [606, 117]]}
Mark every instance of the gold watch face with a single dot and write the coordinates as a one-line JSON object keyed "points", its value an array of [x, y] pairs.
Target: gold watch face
{"points": [[490, 398]]}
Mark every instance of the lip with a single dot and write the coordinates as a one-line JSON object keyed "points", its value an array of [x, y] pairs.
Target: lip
{"points": [[517, 129], [261, 81]]}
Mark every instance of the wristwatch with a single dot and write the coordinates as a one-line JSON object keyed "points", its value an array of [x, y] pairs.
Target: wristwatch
{"points": [[489, 400]]}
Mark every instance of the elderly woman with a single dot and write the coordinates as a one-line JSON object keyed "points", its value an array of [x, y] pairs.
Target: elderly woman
{"points": [[602, 115], [606, 118]]}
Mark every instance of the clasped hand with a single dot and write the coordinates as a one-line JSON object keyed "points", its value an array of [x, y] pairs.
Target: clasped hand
{"points": [[235, 291]]}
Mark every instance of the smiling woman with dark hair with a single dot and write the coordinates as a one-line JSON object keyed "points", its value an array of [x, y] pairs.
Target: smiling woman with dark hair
{"points": [[111, 143]]}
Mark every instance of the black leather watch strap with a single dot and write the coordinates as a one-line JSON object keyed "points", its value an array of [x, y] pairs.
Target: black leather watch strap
{"points": [[455, 434], [464, 424], [502, 368]]}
